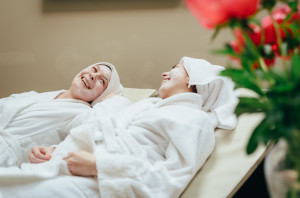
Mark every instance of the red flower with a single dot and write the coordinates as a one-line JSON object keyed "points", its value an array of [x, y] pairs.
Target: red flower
{"points": [[241, 8], [275, 48], [255, 36], [269, 62], [279, 14], [211, 13], [236, 46], [270, 34]]}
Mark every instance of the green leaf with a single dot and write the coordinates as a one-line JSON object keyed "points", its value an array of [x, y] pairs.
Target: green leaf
{"points": [[255, 138], [283, 88], [296, 67], [293, 4], [250, 45], [259, 134], [250, 105], [271, 128], [216, 32], [268, 4], [227, 51], [275, 75], [287, 18], [247, 60], [243, 78], [294, 27]]}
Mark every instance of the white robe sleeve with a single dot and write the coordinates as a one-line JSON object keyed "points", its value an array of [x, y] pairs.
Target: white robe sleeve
{"points": [[127, 176], [15, 96]]}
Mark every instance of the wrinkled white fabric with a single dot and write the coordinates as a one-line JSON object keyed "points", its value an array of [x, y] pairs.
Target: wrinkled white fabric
{"points": [[161, 144], [219, 96], [31, 119], [60, 187], [152, 148], [114, 85]]}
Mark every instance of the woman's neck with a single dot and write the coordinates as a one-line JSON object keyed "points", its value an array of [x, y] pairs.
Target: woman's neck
{"points": [[65, 95]]}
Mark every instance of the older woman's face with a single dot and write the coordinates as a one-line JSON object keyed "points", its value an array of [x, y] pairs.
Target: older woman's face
{"points": [[175, 81], [90, 82]]}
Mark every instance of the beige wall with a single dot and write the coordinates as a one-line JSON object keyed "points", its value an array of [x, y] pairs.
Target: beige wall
{"points": [[44, 43]]}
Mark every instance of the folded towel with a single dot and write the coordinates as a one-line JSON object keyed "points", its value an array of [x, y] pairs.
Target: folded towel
{"points": [[219, 96], [114, 85]]}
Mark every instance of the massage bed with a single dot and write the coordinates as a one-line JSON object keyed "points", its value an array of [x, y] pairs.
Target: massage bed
{"points": [[229, 167]]}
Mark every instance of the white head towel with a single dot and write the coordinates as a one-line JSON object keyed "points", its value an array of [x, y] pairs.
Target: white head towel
{"points": [[114, 85], [219, 97]]}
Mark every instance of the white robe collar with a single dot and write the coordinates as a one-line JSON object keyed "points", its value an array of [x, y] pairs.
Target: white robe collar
{"points": [[187, 99]]}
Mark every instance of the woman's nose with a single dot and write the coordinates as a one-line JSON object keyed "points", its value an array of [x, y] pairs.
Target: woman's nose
{"points": [[94, 75]]}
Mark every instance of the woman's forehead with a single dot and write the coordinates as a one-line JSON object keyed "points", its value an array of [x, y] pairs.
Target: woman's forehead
{"points": [[184, 68], [104, 65], [102, 68]]}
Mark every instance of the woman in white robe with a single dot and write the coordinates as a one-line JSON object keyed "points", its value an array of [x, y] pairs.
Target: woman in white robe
{"points": [[32, 118], [151, 149]]}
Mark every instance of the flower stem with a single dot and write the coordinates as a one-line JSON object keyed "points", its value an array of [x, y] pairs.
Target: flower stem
{"points": [[263, 64]]}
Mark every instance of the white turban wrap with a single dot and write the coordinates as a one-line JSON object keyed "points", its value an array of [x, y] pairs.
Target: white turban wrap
{"points": [[114, 85], [219, 97]]}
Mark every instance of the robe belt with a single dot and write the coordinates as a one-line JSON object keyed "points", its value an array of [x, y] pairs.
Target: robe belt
{"points": [[14, 144], [109, 134]]}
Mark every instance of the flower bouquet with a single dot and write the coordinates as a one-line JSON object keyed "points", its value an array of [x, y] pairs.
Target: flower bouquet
{"points": [[266, 59]]}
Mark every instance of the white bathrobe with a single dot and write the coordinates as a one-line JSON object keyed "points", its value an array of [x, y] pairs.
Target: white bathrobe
{"points": [[31, 119], [150, 149]]}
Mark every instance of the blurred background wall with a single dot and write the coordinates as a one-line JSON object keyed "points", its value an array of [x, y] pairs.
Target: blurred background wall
{"points": [[45, 43]]}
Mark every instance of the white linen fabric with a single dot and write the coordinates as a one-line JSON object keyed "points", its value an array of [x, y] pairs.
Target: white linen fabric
{"points": [[161, 144], [219, 96], [152, 148], [114, 85], [32, 118]]}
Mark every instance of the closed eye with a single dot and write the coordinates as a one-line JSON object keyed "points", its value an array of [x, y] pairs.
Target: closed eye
{"points": [[95, 69], [104, 81]]}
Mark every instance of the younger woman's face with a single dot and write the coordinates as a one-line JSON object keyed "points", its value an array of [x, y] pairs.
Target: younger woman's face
{"points": [[175, 81], [90, 82]]}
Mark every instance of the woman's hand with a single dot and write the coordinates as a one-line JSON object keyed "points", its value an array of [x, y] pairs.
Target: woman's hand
{"points": [[81, 163], [40, 154]]}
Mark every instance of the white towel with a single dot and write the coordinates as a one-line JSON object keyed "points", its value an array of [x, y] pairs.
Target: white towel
{"points": [[114, 85], [219, 97]]}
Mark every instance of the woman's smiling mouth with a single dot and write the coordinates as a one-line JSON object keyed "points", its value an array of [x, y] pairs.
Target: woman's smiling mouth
{"points": [[86, 83]]}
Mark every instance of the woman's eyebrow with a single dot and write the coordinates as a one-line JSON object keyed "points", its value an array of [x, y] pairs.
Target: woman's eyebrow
{"points": [[108, 67], [98, 67], [174, 66]]}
